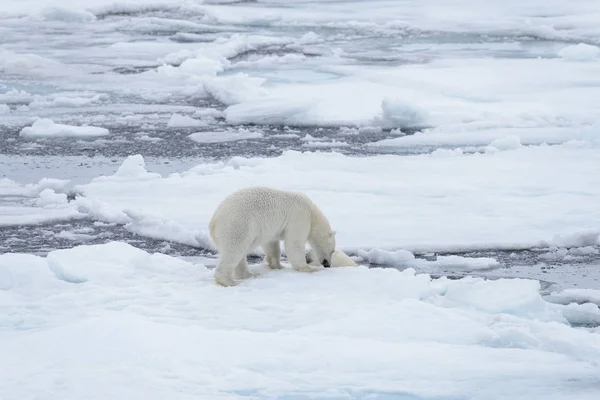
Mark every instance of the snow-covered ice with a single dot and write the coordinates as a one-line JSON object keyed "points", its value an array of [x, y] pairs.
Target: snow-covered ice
{"points": [[228, 135], [114, 321], [182, 121], [504, 200], [46, 128]]}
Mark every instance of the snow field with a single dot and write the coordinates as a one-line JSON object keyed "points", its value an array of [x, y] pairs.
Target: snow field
{"points": [[499, 200], [130, 322]]}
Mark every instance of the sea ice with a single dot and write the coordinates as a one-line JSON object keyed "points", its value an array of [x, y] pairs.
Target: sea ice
{"points": [[229, 135], [129, 322], [505, 200], [182, 121], [46, 128]]}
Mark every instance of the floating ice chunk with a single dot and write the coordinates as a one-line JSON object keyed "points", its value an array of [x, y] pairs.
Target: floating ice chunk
{"points": [[467, 263], [285, 136], [575, 295], [177, 58], [134, 167], [234, 89], [182, 121], [50, 197], [46, 128], [225, 136], [146, 138], [396, 113], [14, 96], [323, 144], [346, 131], [582, 314], [579, 239], [12, 188], [584, 251], [309, 38], [4, 109], [384, 257], [506, 143], [209, 113], [310, 138], [580, 52], [65, 15], [406, 258], [25, 63], [441, 153], [66, 101], [157, 228], [74, 236], [555, 254], [269, 112], [512, 296], [369, 130]]}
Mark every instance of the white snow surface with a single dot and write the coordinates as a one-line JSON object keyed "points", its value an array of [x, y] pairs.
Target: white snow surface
{"points": [[229, 135], [183, 121], [46, 128], [404, 258], [112, 321], [503, 200]]}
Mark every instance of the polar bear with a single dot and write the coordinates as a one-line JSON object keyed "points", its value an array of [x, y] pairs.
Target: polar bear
{"points": [[261, 216]]}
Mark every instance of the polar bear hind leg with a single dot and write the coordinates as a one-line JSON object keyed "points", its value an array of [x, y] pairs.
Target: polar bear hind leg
{"points": [[228, 265], [242, 271], [273, 255]]}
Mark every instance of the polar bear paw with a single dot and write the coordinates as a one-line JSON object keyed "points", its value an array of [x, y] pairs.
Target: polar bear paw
{"points": [[224, 279], [307, 268]]}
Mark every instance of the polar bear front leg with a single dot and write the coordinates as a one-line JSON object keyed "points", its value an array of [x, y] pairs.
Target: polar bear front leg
{"points": [[295, 254], [273, 255]]}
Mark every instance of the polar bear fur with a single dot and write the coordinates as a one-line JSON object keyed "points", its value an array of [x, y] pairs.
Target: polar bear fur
{"points": [[261, 216], [338, 259]]}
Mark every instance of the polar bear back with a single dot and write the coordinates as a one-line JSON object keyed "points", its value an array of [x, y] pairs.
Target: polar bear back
{"points": [[260, 215]]}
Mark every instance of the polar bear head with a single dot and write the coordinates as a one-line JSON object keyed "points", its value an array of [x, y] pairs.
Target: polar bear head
{"points": [[323, 247]]}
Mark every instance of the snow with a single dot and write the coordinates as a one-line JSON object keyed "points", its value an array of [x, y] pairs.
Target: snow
{"points": [[506, 143], [320, 144], [575, 295], [504, 200], [182, 121], [225, 136], [134, 323], [396, 113], [46, 128], [49, 196], [404, 258], [580, 52]]}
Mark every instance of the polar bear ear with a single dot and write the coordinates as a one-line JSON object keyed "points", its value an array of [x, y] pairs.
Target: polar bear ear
{"points": [[332, 234]]}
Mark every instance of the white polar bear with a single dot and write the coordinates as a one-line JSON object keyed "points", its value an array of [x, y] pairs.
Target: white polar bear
{"points": [[261, 216]]}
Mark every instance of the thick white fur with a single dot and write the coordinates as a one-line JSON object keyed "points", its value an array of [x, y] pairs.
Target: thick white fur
{"points": [[338, 259], [261, 216]]}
